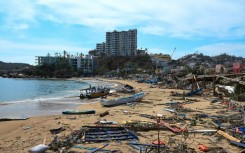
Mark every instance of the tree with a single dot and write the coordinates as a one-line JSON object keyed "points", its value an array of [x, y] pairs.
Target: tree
{"points": [[81, 55], [64, 54], [56, 54]]}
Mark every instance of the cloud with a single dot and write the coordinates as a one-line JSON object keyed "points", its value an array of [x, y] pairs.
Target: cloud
{"points": [[20, 52], [21, 26], [223, 19], [18, 13], [237, 49], [153, 29]]}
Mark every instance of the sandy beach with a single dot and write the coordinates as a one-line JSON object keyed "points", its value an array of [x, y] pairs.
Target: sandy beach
{"points": [[20, 136]]}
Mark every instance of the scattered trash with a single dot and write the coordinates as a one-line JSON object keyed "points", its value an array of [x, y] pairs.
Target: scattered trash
{"points": [[100, 134], [106, 122], [57, 130], [239, 144], [26, 127], [158, 142], [104, 114], [126, 112], [203, 148], [170, 110], [194, 92], [39, 148], [147, 116], [99, 148], [229, 137], [72, 117]]}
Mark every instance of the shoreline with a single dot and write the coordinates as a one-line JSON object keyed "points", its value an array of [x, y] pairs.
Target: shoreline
{"points": [[20, 137], [47, 105]]}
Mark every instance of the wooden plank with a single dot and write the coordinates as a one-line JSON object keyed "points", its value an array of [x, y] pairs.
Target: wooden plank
{"points": [[226, 135], [173, 128], [203, 131]]}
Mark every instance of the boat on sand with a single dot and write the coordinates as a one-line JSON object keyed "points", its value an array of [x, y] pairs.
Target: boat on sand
{"points": [[94, 92], [123, 100], [99, 93], [127, 88], [14, 118]]}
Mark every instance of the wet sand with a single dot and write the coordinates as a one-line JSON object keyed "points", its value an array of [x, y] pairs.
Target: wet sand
{"points": [[20, 136]]}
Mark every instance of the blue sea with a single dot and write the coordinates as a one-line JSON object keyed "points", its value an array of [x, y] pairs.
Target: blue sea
{"points": [[35, 97]]}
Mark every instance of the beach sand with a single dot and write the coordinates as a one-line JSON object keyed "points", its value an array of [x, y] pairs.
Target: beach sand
{"points": [[20, 136]]}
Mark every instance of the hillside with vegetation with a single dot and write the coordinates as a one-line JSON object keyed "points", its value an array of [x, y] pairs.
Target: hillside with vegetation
{"points": [[124, 65], [12, 66], [219, 59], [119, 66], [6, 68]]}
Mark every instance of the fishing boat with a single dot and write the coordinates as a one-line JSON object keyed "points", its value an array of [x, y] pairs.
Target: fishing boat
{"points": [[124, 100], [99, 93], [74, 112], [127, 88], [94, 92]]}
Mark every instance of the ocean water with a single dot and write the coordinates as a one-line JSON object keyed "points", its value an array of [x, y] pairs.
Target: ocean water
{"points": [[35, 97]]}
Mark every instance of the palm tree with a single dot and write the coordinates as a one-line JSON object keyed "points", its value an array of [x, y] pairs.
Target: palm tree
{"points": [[81, 55], [64, 54], [56, 54]]}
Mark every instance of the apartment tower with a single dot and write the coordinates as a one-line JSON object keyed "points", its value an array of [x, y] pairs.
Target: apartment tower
{"points": [[121, 43]]}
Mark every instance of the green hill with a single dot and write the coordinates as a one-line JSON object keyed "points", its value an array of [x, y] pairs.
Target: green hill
{"points": [[124, 64], [12, 66]]}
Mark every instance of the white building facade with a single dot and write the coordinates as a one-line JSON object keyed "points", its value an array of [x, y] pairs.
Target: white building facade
{"points": [[87, 64], [121, 43], [100, 48]]}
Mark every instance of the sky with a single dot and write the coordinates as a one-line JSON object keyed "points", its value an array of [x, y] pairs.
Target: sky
{"points": [[30, 28]]}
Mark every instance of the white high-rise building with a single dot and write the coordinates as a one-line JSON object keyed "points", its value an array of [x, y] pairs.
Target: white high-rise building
{"points": [[121, 43], [100, 48]]}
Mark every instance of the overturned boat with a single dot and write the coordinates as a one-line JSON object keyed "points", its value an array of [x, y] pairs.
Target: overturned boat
{"points": [[124, 100]]}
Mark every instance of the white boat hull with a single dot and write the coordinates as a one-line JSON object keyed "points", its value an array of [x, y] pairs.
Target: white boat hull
{"points": [[124, 100]]}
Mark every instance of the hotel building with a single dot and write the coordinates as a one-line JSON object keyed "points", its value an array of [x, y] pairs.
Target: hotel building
{"points": [[121, 43]]}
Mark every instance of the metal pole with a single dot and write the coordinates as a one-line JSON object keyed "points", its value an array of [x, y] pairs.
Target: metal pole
{"points": [[213, 86], [158, 134]]}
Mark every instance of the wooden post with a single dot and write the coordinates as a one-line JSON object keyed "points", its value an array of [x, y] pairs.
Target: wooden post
{"points": [[197, 85], [243, 117], [238, 91], [203, 83], [192, 84], [213, 86], [158, 134]]}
